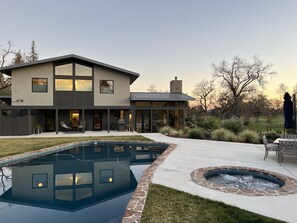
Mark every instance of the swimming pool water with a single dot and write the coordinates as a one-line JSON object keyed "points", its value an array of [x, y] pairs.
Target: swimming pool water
{"points": [[91, 182]]}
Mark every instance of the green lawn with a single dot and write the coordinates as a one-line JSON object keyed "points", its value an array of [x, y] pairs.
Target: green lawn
{"points": [[269, 123], [15, 146], [168, 205]]}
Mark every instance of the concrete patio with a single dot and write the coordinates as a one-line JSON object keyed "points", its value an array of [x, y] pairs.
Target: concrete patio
{"points": [[192, 154]]}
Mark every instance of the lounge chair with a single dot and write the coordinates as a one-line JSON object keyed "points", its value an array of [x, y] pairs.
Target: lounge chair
{"points": [[65, 127], [269, 147]]}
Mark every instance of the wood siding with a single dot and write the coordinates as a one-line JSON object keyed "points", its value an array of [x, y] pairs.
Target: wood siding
{"points": [[73, 99]]}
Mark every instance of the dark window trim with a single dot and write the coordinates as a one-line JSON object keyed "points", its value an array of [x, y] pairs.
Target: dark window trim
{"points": [[46, 85], [112, 177], [104, 92], [40, 174], [73, 77]]}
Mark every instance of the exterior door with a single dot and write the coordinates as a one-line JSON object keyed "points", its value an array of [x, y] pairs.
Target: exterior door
{"points": [[74, 119], [97, 120], [143, 121]]}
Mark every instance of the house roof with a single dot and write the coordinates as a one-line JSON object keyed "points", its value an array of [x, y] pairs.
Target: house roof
{"points": [[158, 96], [7, 70]]}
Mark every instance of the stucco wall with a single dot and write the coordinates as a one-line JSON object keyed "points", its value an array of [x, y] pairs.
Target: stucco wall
{"points": [[22, 183], [22, 85], [121, 95]]}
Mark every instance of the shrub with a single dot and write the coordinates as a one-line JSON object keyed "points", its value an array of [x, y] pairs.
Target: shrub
{"points": [[234, 125], [249, 136], [178, 133], [271, 136], [209, 123], [186, 130], [167, 130], [222, 134], [197, 133]]}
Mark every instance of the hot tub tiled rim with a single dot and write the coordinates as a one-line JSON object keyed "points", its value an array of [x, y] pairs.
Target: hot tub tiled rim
{"points": [[290, 186]]}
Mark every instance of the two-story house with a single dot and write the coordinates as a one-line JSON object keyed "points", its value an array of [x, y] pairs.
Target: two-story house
{"points": [[84, 94]]}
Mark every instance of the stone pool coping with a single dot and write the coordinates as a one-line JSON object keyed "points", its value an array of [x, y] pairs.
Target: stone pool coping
{"points": [[137, 201], [290, 186]]}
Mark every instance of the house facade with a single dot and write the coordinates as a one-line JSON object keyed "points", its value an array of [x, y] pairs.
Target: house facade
{"points": [[84, 95]]}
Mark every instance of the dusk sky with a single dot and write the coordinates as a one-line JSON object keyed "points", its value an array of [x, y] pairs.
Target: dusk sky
{"points": [[159, 39]]}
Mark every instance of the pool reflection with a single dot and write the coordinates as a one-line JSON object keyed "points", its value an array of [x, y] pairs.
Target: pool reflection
{"points": [[77, 178]]}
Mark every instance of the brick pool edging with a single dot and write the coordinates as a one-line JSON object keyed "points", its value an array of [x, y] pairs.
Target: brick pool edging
{"points": [[137, 201], [290, 186]]}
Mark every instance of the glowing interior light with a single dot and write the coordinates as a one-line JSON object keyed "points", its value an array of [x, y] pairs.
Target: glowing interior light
{"points": [[40, 184], [110, 179]]}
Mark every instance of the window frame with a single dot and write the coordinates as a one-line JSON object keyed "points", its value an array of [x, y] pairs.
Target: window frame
{"points": [[34, 91], [106, 182], [101, 92], [36, 187]]}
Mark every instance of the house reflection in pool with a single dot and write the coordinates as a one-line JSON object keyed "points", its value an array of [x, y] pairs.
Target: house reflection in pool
{"points": [[77, 178]]}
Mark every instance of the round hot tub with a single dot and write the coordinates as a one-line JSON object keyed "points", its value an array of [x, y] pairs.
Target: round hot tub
{"points": [[244, 181]]}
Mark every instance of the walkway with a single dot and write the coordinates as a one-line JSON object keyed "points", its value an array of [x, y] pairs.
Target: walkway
{"points": [[193, 154]]}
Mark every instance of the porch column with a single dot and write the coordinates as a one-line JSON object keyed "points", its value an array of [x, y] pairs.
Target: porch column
{"points": [[29, 122], [108, 120], [151, 120], [0, 112], [57, 121], [83, 120], [184, 120], [133, 120], [167, 117]]}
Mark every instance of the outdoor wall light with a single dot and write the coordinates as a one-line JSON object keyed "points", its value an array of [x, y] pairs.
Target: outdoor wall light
{"points": [[40, 184], [110, 179]]}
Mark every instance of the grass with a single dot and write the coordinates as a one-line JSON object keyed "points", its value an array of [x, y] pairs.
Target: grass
{"points": [[168, 205], [267, 123], [13, 146]]}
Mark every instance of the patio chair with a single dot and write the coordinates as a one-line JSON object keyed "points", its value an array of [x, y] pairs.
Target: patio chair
{"points": [[286, 148], [64, 126], [82, 126], [269, 147]]}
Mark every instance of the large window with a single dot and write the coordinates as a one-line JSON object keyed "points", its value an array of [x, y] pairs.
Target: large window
{"points": [[64, 84], [39, 84], [65, 69], [69, 77], [81, 70], [106, 87], [83, 85]]}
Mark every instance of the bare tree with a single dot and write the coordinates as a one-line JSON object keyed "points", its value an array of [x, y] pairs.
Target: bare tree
{"points": [[295, 89], [5, 52], [282, 89], [240, 78], [152, 88], [203, 92]]}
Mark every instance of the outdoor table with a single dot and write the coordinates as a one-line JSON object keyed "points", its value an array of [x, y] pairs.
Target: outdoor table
{"points": [[284, 139]]}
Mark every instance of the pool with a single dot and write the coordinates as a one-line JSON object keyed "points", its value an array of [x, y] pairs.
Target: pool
{"points": [[90, 182]]}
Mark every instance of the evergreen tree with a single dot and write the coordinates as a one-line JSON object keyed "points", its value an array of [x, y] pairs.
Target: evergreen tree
{"points": [[19, 58], [33, 55]]}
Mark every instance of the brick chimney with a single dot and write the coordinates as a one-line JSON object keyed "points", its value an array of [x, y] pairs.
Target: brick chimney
{"points": [[176, 86]]}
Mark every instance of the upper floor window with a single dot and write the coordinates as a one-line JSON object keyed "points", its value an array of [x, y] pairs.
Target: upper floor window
{"points": [[83, 85], [106, 87], [65, 69], [81, 70], [64, 84], [39, 84]]}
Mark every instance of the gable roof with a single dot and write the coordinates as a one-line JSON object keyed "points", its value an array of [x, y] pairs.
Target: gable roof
{"points": [[7, 70], [158, 96]]}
